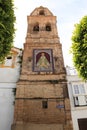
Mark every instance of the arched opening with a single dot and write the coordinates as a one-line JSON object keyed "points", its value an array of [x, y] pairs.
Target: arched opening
{"points": [[41, 12], [36, 27], [48, 27]]}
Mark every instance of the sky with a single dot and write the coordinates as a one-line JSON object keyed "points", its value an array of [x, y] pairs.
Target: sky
{"points": [[68, 12]]}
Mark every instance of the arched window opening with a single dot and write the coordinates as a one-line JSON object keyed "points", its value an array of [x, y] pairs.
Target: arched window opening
{"points": [[8, 61], [36, 28], [41, 12], [48, 27], [9, 57]]}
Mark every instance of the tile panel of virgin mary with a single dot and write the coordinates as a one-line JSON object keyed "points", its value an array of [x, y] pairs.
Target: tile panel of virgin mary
{"points": [[43, 60]]}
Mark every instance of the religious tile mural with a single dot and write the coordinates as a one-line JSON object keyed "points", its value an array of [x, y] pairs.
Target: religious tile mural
{"points": [[42, 60]]}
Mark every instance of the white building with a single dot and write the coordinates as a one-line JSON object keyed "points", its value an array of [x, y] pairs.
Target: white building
{"points": [[9, 75], [78, 99]]}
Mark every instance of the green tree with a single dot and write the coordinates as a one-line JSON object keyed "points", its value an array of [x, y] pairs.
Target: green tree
{"points": [[79, 47], [7, 30]]}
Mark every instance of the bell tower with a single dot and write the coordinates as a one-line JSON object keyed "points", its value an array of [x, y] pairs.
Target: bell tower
{"points": [[42, 101]]}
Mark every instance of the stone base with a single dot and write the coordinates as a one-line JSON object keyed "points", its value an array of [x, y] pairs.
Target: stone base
{"points": [[31, 126]]}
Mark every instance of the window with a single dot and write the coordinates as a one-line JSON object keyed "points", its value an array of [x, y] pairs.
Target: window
{"points": [[76, 101], [79, 89], [79, 95], [82, 89], [80, 100], [45, 104], [9, 57], [76, 89], [8, 61]]}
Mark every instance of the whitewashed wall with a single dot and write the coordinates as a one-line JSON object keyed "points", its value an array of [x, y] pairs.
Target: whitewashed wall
{"points": [[76, 112], [8, 78], [6, 108]]}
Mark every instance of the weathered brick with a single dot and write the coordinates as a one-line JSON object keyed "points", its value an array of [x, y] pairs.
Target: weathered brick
{"points": [[35, 87]]}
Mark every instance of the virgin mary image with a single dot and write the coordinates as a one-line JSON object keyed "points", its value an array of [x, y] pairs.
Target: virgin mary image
{"points": [[43, 62]]}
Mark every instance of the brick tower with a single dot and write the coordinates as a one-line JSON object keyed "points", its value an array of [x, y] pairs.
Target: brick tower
{"points": [[42, 101]]}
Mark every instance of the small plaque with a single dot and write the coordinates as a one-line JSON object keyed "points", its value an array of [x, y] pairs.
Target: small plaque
{"points": [[60, 106], [43, 60]]}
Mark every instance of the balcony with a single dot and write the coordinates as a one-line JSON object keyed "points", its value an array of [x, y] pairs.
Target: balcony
{"points": [[80, 100]]}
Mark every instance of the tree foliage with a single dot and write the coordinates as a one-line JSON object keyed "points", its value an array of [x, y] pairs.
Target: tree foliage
{"points": [[79, 47], [7, 30]]}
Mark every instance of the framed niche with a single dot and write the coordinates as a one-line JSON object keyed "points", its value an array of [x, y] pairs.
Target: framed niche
{"points": [[43, 60]]}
